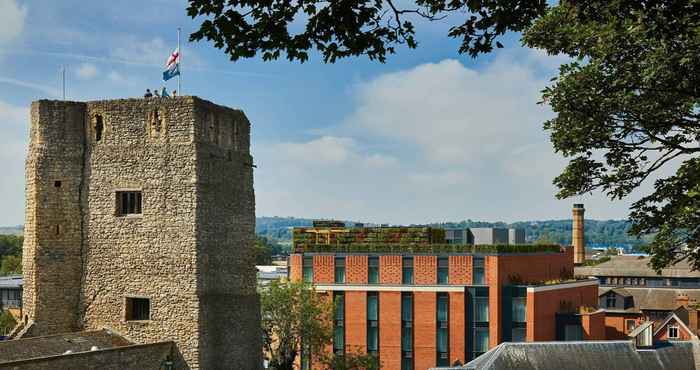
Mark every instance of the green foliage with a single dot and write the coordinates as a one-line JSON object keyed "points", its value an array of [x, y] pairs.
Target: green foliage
{"points": [[352, 360], [339, 29], [11, 265], [11, 245], [7, 322], [293, 313], [429, 248], [596, 262], [627, 106]]}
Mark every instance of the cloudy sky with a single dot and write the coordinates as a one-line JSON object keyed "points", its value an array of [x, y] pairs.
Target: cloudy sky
{"points": [[429, 136]]}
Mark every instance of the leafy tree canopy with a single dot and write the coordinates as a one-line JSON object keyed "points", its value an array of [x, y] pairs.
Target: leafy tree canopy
{"points": [[339, 29], [628, 106]]}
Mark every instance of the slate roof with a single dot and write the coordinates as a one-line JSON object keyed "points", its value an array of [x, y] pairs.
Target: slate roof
{"points": [[634, 266], [657, 299], [584, 355], [54, 345]]}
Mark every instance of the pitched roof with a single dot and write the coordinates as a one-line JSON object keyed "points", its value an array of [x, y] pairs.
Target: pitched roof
{"points": [[620, 291], [54, 345], [634, 266], [640, 328], [657, 299], [672, 316], [584, 355]]}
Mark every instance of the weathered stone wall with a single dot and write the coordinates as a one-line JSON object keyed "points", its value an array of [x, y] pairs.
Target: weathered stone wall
{"points": [[154, 254], [190, 251], [53, 243], [225, 234], [137, 357]]}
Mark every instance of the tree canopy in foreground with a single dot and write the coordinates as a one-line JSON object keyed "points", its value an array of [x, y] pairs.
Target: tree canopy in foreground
{"points": [[627, 108], [339, 29]]}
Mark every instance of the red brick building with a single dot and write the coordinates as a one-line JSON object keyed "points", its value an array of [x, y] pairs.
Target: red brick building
{"points": [[415, 302]]}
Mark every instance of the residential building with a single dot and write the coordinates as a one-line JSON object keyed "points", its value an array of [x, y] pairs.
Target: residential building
{"points": [[631, 292], [414, 301], [11, 292]]}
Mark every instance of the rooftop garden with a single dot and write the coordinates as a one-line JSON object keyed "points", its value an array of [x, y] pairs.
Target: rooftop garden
{"points": [[426, 248]]}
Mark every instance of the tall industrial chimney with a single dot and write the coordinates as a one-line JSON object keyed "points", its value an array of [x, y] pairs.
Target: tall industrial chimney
{"points": [[577, 235]]}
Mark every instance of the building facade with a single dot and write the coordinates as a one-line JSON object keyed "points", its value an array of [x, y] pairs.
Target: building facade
{"points": [[415, 302], [140, 218]]}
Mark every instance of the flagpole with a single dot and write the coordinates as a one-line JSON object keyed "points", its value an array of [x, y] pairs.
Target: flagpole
{"points": [[179, 51]]}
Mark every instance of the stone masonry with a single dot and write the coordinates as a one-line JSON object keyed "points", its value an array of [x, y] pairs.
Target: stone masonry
{"points": [[189, 250]]}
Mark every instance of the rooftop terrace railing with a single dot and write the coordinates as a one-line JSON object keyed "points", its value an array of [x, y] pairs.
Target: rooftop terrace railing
{"points": [[429, 248]]}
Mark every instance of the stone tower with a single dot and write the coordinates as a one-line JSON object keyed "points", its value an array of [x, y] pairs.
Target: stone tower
{"points": [[140, 218], [577, 237]]}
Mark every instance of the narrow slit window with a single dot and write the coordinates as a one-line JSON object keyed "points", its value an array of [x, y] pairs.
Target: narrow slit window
{"points": [[99, 127], [129, 203]]}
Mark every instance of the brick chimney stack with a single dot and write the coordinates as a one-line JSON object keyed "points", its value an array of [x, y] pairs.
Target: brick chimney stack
{"points": [[577, 235], [682, 300]]}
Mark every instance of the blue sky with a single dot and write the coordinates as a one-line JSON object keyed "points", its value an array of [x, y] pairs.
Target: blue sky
{"points": [[429, 136]]}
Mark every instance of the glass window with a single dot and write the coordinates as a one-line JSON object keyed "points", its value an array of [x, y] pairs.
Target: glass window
{"points": [[406, 331], [519, 334], [481, 309], [519, 309], [630, 325], [443, 271], [340, 269], [573, 332], [407, 270], [478, 276], [308, 269], [481, 340], [372, 322], [673, 331], [443, 329], [610, 300], [373, 270], [339, 323]]}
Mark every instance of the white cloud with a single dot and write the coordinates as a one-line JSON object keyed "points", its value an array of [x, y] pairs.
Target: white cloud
{"points": [[453, 143], [86, 71], [12, 18], [12, 152]]}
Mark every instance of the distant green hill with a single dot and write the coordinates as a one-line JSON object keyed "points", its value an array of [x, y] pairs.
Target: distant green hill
{"points": [[609, 233]]}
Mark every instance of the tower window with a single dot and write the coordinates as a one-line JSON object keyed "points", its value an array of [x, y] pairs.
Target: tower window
{"points": [[138, 309], [128, 203], [99, 127]]}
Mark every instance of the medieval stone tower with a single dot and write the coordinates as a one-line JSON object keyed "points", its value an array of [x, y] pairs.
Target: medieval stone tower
{"points": [[140, 218]]}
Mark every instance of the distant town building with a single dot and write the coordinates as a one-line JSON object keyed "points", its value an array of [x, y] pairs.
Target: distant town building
{"points": [[407, 296], [140, 219]]}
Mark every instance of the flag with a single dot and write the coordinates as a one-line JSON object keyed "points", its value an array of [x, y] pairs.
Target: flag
{"points": [[172, 66]]}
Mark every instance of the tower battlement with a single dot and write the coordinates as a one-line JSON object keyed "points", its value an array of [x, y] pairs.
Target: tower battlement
{"points": [[140, 218]]}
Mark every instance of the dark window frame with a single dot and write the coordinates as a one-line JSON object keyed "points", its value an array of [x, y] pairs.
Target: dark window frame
{"points": [[137, 309], [407, 271], [373, 270], [442, 358], [129, 203], [407, 358], [373, 325], [443, 270], [339, 272], [307, 269]]}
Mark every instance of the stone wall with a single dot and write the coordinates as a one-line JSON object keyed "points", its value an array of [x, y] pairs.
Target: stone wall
{"points": [[52, 246], [225, 219]]}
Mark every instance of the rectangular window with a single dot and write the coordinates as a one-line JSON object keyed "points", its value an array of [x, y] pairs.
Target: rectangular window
{"points": [[373, 323], [340, 270], [407, 270], [138, 309], [673, 332], [128, 203], [443, 358], [519, 334], [610, 300], [519, 309], [630, 325], [406, 331], [339, 324], [478, 275], [373, 270], [481, 340], [481, 309], [443, 271], [308, 269]]}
